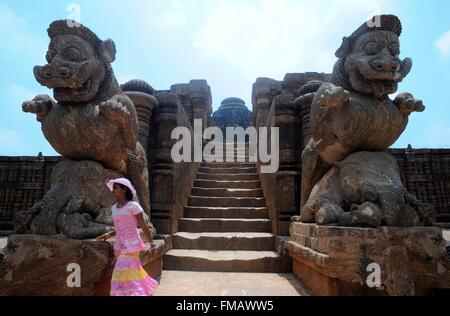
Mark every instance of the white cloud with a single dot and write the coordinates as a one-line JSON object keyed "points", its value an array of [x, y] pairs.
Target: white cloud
{"points": [[232, 42], [273, 37], [443, 44], [15, 36], [173, 16]]}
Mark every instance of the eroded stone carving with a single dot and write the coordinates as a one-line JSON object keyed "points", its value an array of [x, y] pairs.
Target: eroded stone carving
{"points": [[368, 186], [91, 120], [78, 199], [354, 113]]}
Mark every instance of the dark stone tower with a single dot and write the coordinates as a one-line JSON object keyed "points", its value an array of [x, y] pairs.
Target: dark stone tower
{"points": [[232, 113]]}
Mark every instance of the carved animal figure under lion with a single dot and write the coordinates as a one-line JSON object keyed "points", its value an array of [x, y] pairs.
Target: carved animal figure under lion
{"points": [[91, 120], [354, 113]]}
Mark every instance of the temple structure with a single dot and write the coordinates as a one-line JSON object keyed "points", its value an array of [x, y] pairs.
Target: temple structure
{"points": [[232, 113]]}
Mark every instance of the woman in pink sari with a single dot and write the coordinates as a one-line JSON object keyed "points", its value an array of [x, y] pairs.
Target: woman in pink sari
{"points": [[129, 277]]}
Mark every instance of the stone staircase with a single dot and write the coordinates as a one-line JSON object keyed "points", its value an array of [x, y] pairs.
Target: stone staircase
{"points": [[225, 226]]}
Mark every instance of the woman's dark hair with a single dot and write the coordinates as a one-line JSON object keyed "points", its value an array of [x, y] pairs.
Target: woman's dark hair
{"points": [[128, 193]]}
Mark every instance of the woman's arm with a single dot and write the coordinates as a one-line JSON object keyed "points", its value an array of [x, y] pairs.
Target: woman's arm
{"points": [[106, 236], [144, 226]]}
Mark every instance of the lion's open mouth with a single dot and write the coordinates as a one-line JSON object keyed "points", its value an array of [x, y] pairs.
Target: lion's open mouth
{"points": [[79, 91], [371, 74]]}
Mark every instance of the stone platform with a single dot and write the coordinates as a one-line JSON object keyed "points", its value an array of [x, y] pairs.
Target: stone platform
{"points": [[190, 283], [37, 265], [335, 260]]}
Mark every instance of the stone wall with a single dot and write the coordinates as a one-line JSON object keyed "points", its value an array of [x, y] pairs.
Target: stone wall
{"points": [[171, 183], [426, 173], [273, 107], [23, 182]]}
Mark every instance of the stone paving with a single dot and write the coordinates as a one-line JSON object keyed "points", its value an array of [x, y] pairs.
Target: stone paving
{"points": [[189, 283]]}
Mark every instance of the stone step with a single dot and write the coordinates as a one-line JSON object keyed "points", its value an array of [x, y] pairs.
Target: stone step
{"points": [[245, 153], [234, 143], [226, 261], [199, 225], [219, 192], [235, 153], [228, 164], [231, 160], [233, 149], [224, 241], [230, 170], [226, 201], [225, 212], [228, 177], [255, 184]]}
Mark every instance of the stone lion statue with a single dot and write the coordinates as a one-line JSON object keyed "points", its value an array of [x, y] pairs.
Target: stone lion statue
{"points": [[91, 120], [354, 113]]}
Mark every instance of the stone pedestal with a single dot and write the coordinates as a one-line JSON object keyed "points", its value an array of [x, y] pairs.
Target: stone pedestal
{"points": [[339, 261], [38, 265]]}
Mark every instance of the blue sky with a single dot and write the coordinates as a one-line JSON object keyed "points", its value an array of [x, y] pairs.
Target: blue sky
{"points": [[227, 42]]}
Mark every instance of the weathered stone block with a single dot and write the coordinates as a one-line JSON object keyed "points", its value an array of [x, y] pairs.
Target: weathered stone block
{"points": [[413, 261], [38, 265]]}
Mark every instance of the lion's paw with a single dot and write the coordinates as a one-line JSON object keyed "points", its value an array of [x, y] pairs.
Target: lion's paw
{"points": [[113, 109], [334, 96], [407, 104]]}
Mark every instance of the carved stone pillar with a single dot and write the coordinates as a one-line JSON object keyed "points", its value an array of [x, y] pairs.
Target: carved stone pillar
{"points": [[171, 182], [287, 179], [144, 103], [264, 90], [161, 172], [196, 99]]}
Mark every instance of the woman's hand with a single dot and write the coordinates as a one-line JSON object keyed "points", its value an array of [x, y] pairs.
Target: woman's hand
{"points": [[104, 237]]}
